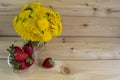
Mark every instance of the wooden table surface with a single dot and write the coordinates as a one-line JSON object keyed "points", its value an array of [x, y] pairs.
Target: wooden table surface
{"points": [[88, 49]]}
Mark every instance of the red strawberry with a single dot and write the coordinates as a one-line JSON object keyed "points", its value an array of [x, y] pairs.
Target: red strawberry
{"points": [[21, 56], [48, 63], [22, 65], [29, 63], [17, 49], [28, 48]]}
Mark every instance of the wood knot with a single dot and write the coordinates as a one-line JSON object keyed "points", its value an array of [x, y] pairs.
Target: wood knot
{"points": [[85, 25], [15, 41], [4, 4], [63, 40], [86, 4], [95, 9], [51, 6], [72, 48], [65, 70], [108, 11], [96, 1]]}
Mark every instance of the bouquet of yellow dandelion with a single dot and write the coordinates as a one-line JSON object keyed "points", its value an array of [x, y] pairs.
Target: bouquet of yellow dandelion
{"points": [[35, 22]]}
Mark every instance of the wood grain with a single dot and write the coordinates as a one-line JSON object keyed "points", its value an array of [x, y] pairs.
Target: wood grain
{"points": [[101, 8], [67, 70], [88, 49], [74, 26], [74, 48]]}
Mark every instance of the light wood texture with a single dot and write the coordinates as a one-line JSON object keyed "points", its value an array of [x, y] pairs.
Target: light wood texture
{"points": [[77, 15], [71, 48], [88, 49], [74, 26], [103, 8], [66, 70]]}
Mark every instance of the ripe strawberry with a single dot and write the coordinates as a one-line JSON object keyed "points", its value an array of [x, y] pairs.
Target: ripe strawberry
{"points": [[22, 65], [29, 63], [21, 56], [48, 63], [17, 49], [28, 48]]}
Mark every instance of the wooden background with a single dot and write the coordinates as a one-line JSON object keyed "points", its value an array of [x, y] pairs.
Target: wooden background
{"points": [[88, 49]]}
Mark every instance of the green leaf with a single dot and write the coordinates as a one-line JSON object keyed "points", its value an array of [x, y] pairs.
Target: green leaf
{"points": [[52, 62], [15, 65], [8, 50], [11, 47], [30, 61], [33, 55], [12, 55]]}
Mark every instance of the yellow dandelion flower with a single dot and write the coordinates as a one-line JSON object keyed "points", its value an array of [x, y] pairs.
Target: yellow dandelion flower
{"points": [[46, 37], [37, 23]]}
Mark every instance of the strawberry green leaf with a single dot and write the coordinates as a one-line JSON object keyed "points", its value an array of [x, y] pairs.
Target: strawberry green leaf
{"points": [[28, 60], [11, 55], [52, 62], [11, 51], [11, 47], [15, 65], [33, 56]]}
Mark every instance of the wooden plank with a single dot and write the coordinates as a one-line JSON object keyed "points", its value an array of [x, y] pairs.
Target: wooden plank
{"points": [[102, 8], [66, 70], [74, 26], [6, 27], [90, 26], [74, 48]]}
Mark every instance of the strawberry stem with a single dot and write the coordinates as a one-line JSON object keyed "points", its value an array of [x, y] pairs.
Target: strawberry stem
{"points": [[29, 42]]}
